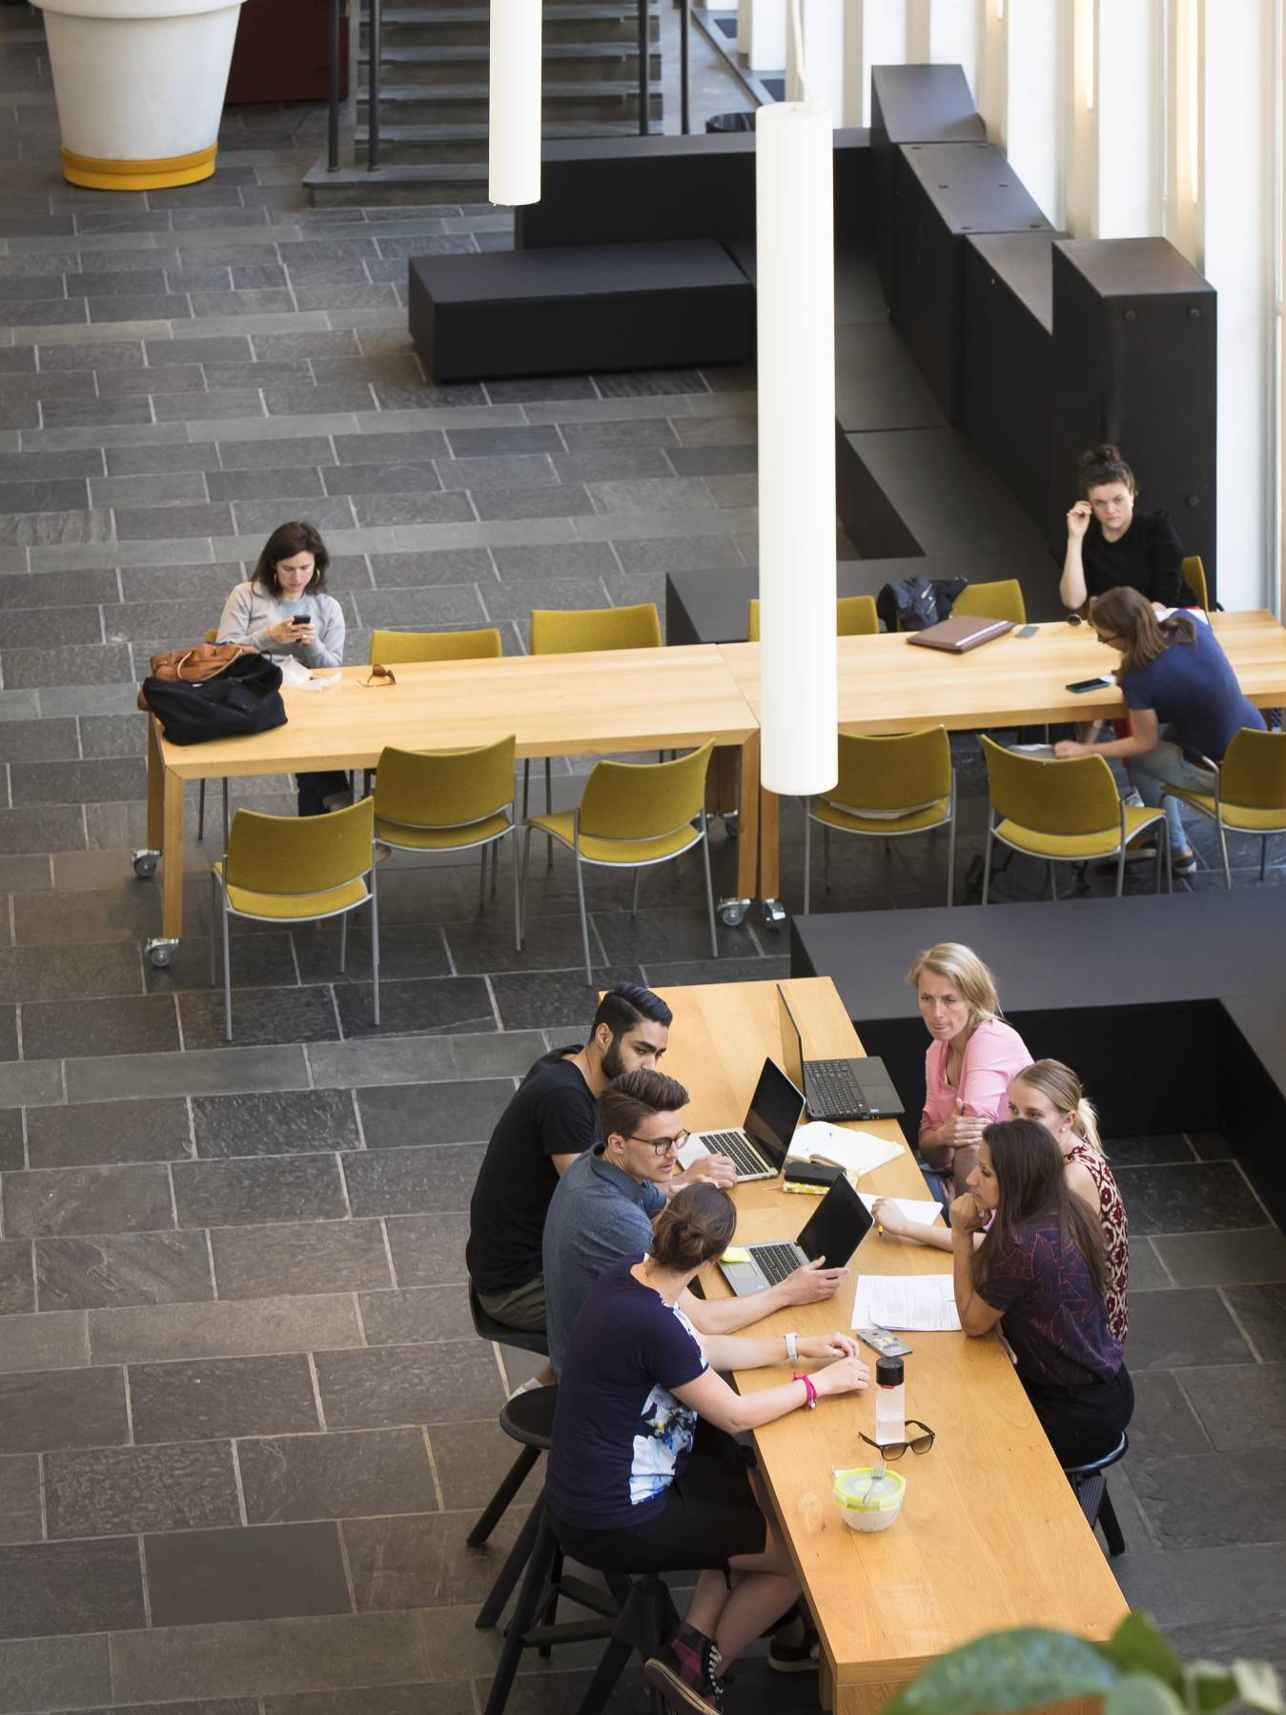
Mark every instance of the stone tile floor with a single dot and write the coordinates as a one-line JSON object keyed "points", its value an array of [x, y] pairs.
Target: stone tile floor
{"points": [[244, 1423]]}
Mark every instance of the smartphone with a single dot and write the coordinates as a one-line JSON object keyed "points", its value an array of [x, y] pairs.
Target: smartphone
{"points": [[882, 1341], [301, 618], [1090, 685], [1027, 631]]}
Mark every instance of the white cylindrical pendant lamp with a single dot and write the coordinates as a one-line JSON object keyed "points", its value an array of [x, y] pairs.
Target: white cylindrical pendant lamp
{"points": [[514, 120], [795, 287]]}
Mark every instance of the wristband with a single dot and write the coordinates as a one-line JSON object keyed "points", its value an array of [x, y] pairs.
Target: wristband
{"points": [[792, 1348], [810, 1392]]}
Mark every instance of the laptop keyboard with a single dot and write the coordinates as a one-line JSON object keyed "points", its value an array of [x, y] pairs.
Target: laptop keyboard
{"points": [[775, 1261], [734, 1145], [836, 1090]]}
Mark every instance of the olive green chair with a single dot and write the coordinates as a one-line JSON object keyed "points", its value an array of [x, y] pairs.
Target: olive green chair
{"points": [[284, 870], [1000, 600], [632, 815], [392, 648], [449, 801], [855, 616], [1194, 575], [211, 636], [1249, 795], [888, 788], [1064, 811]]}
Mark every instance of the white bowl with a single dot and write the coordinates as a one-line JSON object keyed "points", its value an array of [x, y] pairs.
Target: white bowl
{"points": [[869, 1497]]}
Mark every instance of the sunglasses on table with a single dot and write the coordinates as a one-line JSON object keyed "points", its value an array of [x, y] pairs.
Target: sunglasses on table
{"points": [[890, 1450]]}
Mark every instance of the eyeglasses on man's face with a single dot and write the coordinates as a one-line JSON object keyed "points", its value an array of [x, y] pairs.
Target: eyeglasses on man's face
{"points": [[662, 1145], [890, 1450]]}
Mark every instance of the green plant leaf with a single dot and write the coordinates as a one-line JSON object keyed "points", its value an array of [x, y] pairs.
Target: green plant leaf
{"points": [[1258, 1685], [1141, 1694], [1136, 1646], [1019, 1669], [1207, 1686]]}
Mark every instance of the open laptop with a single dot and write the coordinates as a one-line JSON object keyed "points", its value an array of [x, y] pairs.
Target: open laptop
{"points": [[856, 1089], [758, 1150], [838, 1225]]}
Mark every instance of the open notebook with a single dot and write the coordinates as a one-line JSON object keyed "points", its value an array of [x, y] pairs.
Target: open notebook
{"points": [[857, 1152]]}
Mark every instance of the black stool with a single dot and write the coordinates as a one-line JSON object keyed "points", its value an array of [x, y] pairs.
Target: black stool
{"points": [[535, 1341], [1090, 1485], [647, 1619]]}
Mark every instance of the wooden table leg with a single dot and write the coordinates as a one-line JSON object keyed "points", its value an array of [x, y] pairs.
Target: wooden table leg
{"points": [[748, 821], [769, 846], [172, 856], [155, 787], [721, 781]]}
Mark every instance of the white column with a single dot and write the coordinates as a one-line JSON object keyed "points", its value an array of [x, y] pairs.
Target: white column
{"points": [[875, 36], [1078, 154], [744, 8], [823, 25], [766, 34], [944, 32], [990, 91], [1128, 109], [1033, 63], [1240, 98]]}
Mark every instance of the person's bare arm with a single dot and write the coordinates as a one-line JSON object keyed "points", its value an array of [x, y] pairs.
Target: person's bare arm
{"points": [[977, 1317], [562, 1163], [1071, 586], [1144, 736], [809, 1284], [711, 1397], [1080, 1182]]}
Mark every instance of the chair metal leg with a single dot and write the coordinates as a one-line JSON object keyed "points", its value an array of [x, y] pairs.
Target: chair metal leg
{"points": [[584, 918], [214, 906], [343, 943], [550, 1613], [1263, 858], [1169, 858], [200, 813], [826, 857], [1223, 849], [529, 1597], [515, 1561], [808, 857], [498, 1505], [549, 810], [227, 977], [986, 867], [223, 784], [375, 950], [517, 867], [705, 858], [1111, 1526], [521, 884], [526, 785], [482, 880], [634, 902], [951, 859], [1053, 884], [1120, 871]]}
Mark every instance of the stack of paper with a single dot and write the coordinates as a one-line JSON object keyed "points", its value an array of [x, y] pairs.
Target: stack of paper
{"points": [[924, 1303], [922, 1210], [857, 1152]]}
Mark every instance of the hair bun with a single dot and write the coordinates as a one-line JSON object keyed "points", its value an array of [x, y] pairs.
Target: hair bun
{"points": [[1105, 453]]}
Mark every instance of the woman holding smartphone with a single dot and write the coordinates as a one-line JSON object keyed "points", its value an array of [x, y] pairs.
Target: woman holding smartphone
{"points": [[284, 610]]}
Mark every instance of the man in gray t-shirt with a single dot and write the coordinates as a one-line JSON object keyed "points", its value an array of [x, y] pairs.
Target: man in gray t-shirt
{"points": [[603, 1207]]}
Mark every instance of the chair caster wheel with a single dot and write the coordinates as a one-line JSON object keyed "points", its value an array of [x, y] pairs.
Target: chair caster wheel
{"points": [[161, 953], [145, 863], [732, 912], [773, 913], [732, 824]]}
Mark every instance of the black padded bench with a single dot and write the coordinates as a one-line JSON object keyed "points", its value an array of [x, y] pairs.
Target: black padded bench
{"points": [[576, 308]]}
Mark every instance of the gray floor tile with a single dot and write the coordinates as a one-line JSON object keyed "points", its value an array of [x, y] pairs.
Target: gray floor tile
{"points": [[424, 1058], [17, 1279], [300, 1477], [19, 1505], [261, 1016], [222, 1397], [1240, 1407], [121, 1490], [438, 1698], [1149, 1151], [1224, 1259], [204, 1577], [1198, 1197], [209, 1072], [44, 1342], [452, 1004], [298, 1122], [428, 1249], [423, 1562], [1261, 1314], [404, 1115], [403, 1181], [119, 1025], [258, 1262], [1179, 1329], [171, 522], [97, 782], [471, 1459], [553, 998], [256, 1328], [425, 570], [121, 1269], [64, 1408], [1208, 1500], [54, 1673], [253, 1191], [65, 973], [416, 1314], [72, 664], [87, 1200], [258, 962], [452, 1381], [1164, 1421], [60, 1587]]}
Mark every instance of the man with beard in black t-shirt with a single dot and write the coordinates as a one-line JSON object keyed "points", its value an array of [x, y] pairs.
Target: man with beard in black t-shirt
{"points": [[551, 1119]]}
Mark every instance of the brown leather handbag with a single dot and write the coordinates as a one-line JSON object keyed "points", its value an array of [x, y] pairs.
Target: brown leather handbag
{"points": [[194, 666]]}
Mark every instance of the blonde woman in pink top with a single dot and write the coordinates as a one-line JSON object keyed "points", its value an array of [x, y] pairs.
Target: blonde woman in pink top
{"points": [[969, 1062]]}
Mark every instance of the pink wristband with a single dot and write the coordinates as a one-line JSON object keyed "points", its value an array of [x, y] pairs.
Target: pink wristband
{"points": [[810, 1392]]}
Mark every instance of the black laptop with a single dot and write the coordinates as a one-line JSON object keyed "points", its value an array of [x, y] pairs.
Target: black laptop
{"points": [[858, 1089], [835, 1229], [758, 1149]]}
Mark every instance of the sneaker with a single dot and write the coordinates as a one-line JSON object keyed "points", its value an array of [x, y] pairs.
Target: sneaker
{"points": [[529, 1386], [1185, 863], [686, 1674], [795, 1647]]}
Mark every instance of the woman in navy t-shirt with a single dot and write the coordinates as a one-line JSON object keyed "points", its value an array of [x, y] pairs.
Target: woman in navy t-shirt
{"points": [[636, 1483], [1041, 1273], [1184, 701]]}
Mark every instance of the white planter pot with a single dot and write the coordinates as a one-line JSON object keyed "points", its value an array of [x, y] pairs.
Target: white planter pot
{"points": [[139, 86]]}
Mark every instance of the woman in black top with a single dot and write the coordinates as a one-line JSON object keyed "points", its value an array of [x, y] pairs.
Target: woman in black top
{"points": [[1109, 544]]}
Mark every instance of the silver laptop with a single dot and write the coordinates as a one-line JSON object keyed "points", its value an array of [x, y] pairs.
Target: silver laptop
{"points": [[758, 1149], [838, 1225]]}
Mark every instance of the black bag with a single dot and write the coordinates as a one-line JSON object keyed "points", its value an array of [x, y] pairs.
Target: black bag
{"points": [[244, 698], [913, 604]]}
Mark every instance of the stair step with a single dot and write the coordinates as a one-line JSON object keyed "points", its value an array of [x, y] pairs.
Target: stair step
{"points": [[601, 62], [409, 144], [428, 104], [470, 26]]}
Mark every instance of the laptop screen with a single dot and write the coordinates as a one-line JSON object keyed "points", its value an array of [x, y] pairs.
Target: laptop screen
{"points": [[776, 1109], [792, 1042], [839, 1225]]}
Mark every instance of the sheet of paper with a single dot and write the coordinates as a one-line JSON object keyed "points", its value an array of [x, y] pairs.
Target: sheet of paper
{"points": [[909, 1303], [857, 1152], [922, 1210]]}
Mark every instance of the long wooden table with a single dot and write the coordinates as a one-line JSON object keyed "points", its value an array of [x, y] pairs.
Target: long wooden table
{"points": [[557, 705], [885, 685], [990, 1533]]}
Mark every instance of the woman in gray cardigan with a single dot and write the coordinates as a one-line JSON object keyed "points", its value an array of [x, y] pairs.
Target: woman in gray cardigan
{"points": [[284, 610]]}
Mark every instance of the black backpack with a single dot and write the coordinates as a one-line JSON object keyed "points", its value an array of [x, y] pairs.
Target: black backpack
{"points": [[244, 698], [912, 604]]}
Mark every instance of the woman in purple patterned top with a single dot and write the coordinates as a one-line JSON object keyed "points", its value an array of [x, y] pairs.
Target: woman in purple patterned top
{"points": [[1040, 1272]]}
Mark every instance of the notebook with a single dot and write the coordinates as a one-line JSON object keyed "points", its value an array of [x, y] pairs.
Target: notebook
{"points": [[911, 1303], [961, 633]]}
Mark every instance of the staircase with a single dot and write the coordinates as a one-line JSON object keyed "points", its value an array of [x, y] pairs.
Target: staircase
{"points": [[433, 95]]}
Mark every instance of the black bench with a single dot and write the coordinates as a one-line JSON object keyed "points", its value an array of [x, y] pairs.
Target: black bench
{"points": [[1170, 1007], [577, 308]]}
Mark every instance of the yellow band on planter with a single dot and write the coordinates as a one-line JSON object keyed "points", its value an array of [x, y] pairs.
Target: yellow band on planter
{"points": [[99, 175]]}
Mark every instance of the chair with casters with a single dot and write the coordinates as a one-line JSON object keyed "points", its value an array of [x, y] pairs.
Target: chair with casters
{"points": [[633, 815], [855, 616], [278, 869], [888, 787], [449, 801], [582, 631], [1090, 1484], [393, 648], [1249, 795], [1194, 575], [211, 636], [1000, 600], [1061, 811]]}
